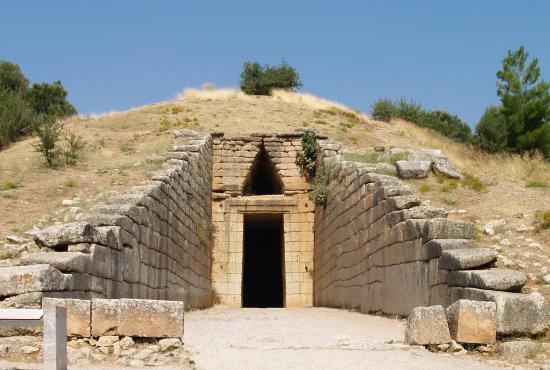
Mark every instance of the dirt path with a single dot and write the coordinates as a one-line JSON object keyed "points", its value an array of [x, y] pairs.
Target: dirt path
{"points": [[306, 338]]}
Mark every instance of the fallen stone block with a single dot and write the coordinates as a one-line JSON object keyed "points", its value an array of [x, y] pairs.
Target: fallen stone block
{"points": [[34, 278], [413, 169], [78, 314], [427, 325], [465, 259], [472, 321], [442, 166], [517, 350], [492, 279], [63, 261], [65, 234], [137, 318], [517, 313]]}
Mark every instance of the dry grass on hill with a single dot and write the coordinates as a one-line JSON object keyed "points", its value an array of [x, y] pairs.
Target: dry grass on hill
{"points": [[118, 144]]}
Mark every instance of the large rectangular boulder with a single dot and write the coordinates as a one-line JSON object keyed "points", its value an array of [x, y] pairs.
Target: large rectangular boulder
{"points": [[65, 234], [34, 278], [427, 325], [137, 318], [492, 279], [63, 261], [443, 228], [413, 169], [472, 321], [465, 259], [517, 313], [78, 314]]}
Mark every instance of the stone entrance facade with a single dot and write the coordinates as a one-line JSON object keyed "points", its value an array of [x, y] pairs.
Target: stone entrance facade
{"points": [[254, 176]]}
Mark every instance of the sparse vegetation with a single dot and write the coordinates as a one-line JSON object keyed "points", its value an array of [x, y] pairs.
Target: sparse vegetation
{"points": [[368, 157], [472, 182], [424, 188], [71, 183], [9, 185], [542, 220], [449, 200], [537, 184]]}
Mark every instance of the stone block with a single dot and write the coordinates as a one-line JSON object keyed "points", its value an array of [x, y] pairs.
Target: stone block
{"points": [[34, 278], [78, 314], [137, 318], [426, 212], [472, 321], [413, 169], [493, 279], [517, 313], [464, 259], [434, 248], [517, 350], [63, 261], [442, 228], [427, 325], [65, 234]]}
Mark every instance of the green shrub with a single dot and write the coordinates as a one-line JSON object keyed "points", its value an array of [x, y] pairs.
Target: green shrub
{"points": [[447, 125], [50, 100], [409, 110], [424, 188], [542, 220], [16, 117], [9, 185], [449, 200], [12, 78], [384, 110], [492, 131], [260, 80], [307, 157], [472, 182], [50, 131]]}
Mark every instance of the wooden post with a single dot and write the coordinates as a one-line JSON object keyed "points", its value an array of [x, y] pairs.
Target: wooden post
{"points": [[55, 338]]}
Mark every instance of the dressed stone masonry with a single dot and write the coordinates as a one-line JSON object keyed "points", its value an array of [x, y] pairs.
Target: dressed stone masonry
{"points": [[180, 237]]}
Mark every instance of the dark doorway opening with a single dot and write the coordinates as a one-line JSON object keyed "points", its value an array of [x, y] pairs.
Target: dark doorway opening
{"points": [[263, 272], [263, 177]]}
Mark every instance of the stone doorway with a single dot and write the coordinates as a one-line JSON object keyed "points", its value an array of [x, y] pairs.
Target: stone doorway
{"points": [[263, 256]]}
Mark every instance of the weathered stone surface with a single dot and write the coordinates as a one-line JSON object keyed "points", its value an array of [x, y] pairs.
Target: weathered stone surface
{"points": [[517, 350], [442, 166], [434, 248], [442, 228], [493, 279], [78, 314], [65, 234], [472, 321], [413, 169], [169, 343], [517, 313], [137, 318], [426, 212], [427, 325], [35, 278], [63, 261], [107, 340], [464, 259]]}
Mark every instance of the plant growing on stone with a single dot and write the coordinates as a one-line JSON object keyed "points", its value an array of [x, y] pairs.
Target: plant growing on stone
{"points": [[307, 157]]}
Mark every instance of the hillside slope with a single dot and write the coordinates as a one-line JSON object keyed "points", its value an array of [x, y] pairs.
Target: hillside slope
{"points": [[123, 147]]}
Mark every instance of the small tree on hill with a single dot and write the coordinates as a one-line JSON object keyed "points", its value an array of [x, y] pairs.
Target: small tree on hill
{"points": [[260, 80], [12, 79], [492, 131], [525, 103], [50, 100]]}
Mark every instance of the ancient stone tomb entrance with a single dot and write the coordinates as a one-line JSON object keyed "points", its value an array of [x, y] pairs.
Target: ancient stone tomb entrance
{"points": [[263, 255], [263, 252]]}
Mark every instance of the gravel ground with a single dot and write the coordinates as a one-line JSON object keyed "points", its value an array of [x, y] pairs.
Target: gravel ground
{"points": [[306, 338]]}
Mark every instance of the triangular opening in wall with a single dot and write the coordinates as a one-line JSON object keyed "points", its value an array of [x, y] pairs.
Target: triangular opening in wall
{"points": [[263, 177]]}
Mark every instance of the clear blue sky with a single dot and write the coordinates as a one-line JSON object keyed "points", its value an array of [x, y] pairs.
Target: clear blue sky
{"points": [[112, 55]]}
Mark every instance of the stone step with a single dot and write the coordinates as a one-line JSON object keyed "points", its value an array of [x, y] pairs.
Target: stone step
{"points": [[63, 261], [466, 259], [491, 279], [434, 248]]}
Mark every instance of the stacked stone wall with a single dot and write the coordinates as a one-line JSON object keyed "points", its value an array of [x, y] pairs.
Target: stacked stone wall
{"points": [[154, 242], [373, 242]]}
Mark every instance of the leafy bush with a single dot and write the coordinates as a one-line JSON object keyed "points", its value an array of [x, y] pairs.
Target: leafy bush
{"points": [[12, 79], [307, 158], [492, 131], [260, 80], [50, 131], [410, 110], [384, 110], [50, 100], [16, 117]]}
